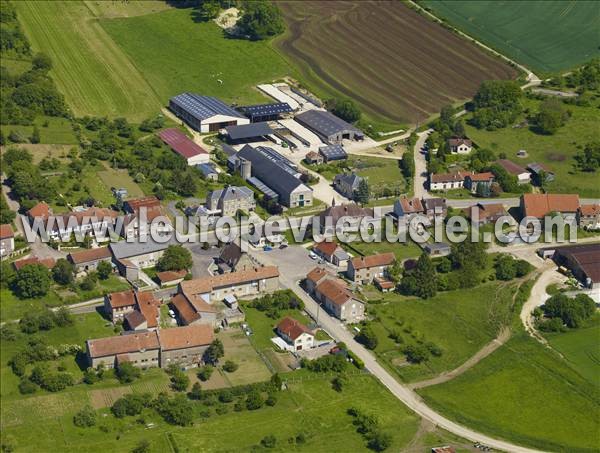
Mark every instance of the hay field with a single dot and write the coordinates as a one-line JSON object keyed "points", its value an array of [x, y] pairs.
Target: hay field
{"points": [[398, 65]]}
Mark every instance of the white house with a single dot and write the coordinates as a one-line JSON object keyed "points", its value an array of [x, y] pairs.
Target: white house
{"points": [[460, 145], [295, 334], [446, 181]]}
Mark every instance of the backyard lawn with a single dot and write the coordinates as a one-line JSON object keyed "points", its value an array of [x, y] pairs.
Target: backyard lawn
{"points": [[53, 130], [556, 151], [112, 177], [525, 393], [402, 250]]}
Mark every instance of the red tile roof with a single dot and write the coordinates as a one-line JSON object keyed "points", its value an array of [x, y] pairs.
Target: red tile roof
{"points": [[148, 307], [382, 259], [481, 176], [85, 256], [47, 262], [184, 308], [538, 205], [326, 248], [186, 337], [121, 299], [316, 274], [180, 143], [589, 210], [41, 210], [292, 328], [6, 231], [207, 284], [170, 276], [384, 283], [335, 291], [411, 205], [123, 344], [448, 177], [459, 141], [511, 167]]}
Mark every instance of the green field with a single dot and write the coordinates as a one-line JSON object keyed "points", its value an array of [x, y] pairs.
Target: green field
{"points": [[556, 151], [545, 36], [112, 177], [525, 393], [580, 348], [52, 130], [459, 322]]}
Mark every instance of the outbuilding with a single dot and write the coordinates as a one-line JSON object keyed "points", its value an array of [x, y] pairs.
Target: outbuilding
{"points": [[205, 113], [184, 146], [328, 126]]}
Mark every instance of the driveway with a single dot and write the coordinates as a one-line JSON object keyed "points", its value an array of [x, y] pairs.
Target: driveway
{"points": [[420, 178], [201, 258]]}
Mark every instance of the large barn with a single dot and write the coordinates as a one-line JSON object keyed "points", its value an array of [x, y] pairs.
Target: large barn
{"points": [[328, 126], [205, 113], [193, 154]]}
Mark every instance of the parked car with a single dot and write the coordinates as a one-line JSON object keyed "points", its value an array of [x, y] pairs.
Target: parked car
{"points": [[283, 246], [171, 313], [313, 255]]}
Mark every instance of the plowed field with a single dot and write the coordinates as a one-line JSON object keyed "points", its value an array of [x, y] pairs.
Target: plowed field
{"points": [[398, 65]]}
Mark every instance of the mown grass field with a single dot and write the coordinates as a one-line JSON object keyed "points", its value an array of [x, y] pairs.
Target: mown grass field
{"points": [[53, 130], [176, 54], [113, 177], [556, 151], [545, 36], [580, 348], [525, 393], [460, 322], [93, 73], [396, 64]]}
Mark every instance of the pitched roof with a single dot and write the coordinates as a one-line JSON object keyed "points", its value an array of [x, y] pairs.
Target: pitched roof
{"points": [[538, 204], [169, 276], [135, 204], [207, 284], [121, 299], [326, 248], [537, 168], [511, 167], [317, 274], [41, 210], [334, 290], [292, 328], [448, 177], [487, 210], [186, 337], [185, 309], [203, 107], [180, 143], [589, 210], [148, 307], [381, 259], [384, 283], [231, 254], [85, 256], [324, 122], [587, 257], [411, 205], [6, 231], [231, 193], [345, 210], [46, 262], [459, 141], [481, 176], [135, 319], [123, 344], [125, 249], [351, 179], [333, 152], [252, 111]]}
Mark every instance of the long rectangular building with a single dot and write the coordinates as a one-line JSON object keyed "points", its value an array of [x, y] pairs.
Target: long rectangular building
{"points": [[193, 153], [328, 126], [205, 113]]}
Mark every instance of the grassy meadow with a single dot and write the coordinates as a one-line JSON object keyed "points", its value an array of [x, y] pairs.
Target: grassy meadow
{"points": [[525, 393], [526, 31], [53, 130], [556, 151]]}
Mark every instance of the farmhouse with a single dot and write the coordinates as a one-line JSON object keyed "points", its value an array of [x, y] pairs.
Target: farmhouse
{"points": [[475, 180], [246, 133], [364, 269], [328, 126], [88, 260], [332, 253], [185, 345], [141, 349], [446, 181], [582, 260], [184, 146], [435, 208], [119, 304], [295, 334], [406, 208], [523, 176], [539, 205], [232, 259], [7, 240], [347, 184], [230, 200], [265, 112], [205, 113], [332, 153], [46, 262], [339, 300], [485, 212], [140, 254], [271, 173], [460, 145], [588, 216]]}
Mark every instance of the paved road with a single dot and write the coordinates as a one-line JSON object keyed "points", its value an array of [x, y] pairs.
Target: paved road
{"points": [[420, 178]]}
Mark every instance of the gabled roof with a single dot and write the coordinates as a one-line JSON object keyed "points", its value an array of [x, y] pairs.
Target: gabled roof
{"points": [[333, 152], [169, 276], [41, 210], [251, 130], [364, 262], [448, 177], [351, 179], [186, 337], [345, 210], [46, 262], [590, 210], [86, 256], [538, 204], [511, 167], [123, 344], [317, 274], [481, 176], [185, 309], [124, 249], [230, 193], [433, 203], [411, 205], [121, 299], [326, 248], [135, 204], [459, 141], [135, 319], [334, 290], [292, 328], [6, 231], [180, 143], [203, 107], [231, 254], [537, 168], [205, 285], [276, 108], [324, 122]]}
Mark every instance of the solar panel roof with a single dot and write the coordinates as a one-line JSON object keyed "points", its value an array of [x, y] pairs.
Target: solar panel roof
{"points": [[248, 131], [203, 107], [263, 188], [266, 109], [333, 152]]}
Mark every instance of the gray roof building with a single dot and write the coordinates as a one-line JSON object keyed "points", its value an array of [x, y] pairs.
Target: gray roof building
{"points": [[265, 112], [205, 113], [229, 193], [347, 184], [276, 172], [328, 126], [333, 152], [246, 132], [125, 250]]}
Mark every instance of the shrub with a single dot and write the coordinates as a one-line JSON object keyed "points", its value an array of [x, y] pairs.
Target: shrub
{"points": [[196, 392], [271, 400], [127, 373], [26, 387], [254, 400], [85, 418], [131, 404], [416, 353], [230, 366], [269, 441], [225, 396], [205, 373]]}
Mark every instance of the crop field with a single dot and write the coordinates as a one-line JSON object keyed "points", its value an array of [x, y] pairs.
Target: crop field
{"points": [[526, 393], [94, 74], [545, 36], [399, 66]]}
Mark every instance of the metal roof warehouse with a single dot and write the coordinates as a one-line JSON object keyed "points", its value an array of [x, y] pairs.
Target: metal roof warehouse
{"points": [[205, 113], [184, 146], [248, 131], [265, 112], [328, 126]]}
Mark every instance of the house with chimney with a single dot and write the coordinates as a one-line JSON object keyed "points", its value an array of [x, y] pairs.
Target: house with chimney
{"points": [[539, 205], [406, 208], [364, 269], [137, 310]]}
